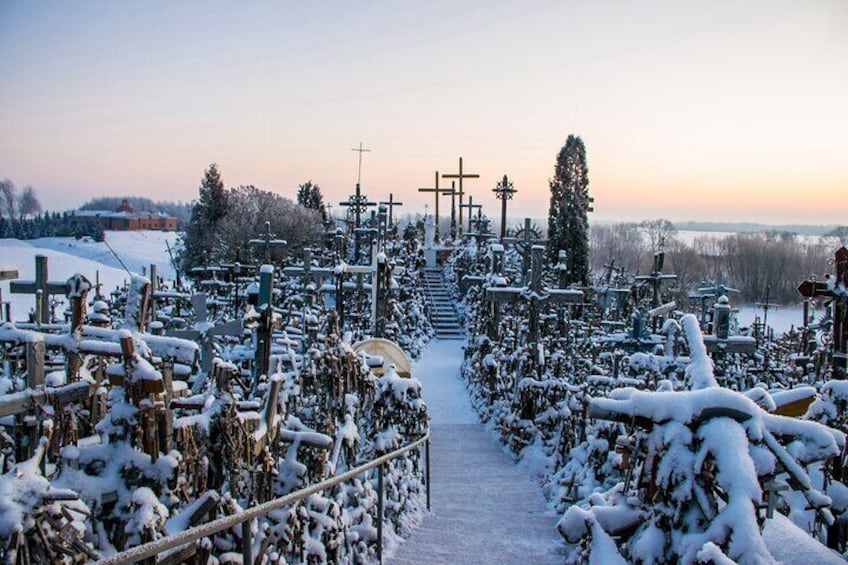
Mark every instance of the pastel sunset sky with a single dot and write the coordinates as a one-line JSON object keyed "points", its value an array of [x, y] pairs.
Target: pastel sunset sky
{"points": [[718, 111]]}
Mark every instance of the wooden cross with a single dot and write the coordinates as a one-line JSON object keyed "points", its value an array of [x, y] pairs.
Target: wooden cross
{"points": [[535, 294], [307, 271], [390, 203], [504, 191], [656, 278], [203, 331], [267, 241], [41, 288], [371, 269], [835, 288], [471, 207], [436, 193], [452, 193], [459, 176]]}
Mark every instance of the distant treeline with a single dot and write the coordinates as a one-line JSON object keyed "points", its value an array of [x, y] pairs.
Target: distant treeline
{"points": [[51, 225], [755, 264], [181, 211]]}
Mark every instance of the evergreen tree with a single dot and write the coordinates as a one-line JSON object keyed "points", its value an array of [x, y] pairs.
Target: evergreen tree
{"points": [[206, 216], [568, 222], [309, 196]]}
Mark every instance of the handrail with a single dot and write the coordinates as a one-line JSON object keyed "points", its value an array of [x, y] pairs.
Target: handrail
{"points": [[185, 537]]}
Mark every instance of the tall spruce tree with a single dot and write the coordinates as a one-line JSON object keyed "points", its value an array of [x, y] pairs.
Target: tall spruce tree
{"points": [[206, 216], [568, 221]]}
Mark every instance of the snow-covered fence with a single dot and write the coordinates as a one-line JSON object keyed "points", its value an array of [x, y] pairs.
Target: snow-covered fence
{"points": [[157, 547]]}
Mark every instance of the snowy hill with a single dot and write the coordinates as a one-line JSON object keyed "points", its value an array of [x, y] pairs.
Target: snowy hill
{"points": [[67, 256]]}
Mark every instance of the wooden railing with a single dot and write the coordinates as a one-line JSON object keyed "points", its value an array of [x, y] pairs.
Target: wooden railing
{"points": [[191, 535]]}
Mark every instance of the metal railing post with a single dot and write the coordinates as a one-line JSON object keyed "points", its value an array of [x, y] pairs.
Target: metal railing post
{"points": [[427, 470], [246, 543], [380, 513]]}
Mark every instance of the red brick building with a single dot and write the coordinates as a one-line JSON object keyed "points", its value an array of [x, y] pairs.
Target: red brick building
{"points": [[127, 219]]}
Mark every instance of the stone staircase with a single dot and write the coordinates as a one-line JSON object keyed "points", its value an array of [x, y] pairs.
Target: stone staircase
{"points": [[443, 315]]}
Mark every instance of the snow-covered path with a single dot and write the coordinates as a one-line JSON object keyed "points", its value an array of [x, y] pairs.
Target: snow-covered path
{"points": [[484, 508]]}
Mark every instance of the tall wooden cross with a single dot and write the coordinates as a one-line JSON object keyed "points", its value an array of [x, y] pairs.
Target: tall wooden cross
{"points": [[390, 203], [436, 193], [471, 207], [460, 176], [267, 242], [656, 278], [41, 288], [834, 288], [452, 193], [504, 191], [265, 307]]}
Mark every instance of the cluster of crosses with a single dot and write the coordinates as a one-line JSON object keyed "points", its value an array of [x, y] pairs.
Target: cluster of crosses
{"points": [[149, 349]]}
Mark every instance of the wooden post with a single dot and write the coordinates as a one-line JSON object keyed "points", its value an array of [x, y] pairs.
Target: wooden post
{"points": [[77, 288]]}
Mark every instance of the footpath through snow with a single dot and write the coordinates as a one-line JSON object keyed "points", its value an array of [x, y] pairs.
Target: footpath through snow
{"points": [[485, 509]]}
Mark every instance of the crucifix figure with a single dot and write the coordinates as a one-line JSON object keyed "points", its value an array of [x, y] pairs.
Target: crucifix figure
{"points": [[41, 288], [504, 191], [460, 176], [267, 242], [436, 193], [471, 207], [390, 203], [834, 288]]}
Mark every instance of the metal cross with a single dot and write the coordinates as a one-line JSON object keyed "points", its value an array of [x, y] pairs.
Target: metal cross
{"points": [[360, 150], [460, 176], [504, 191]]}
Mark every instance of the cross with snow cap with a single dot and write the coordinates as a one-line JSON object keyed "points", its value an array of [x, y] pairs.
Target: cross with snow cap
{"points": [[41, 288], [267, 242]]}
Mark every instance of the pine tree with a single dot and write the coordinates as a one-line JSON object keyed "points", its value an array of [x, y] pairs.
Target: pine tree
{"points": [[568, 222], [206, 216], [309, 196]]}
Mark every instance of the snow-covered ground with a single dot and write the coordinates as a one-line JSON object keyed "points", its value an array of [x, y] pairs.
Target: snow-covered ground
{"points": [[136, 249], [781, 318], [67, 256], [442, 388]]}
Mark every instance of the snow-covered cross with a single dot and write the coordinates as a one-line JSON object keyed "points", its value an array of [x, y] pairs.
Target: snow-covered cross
{"points": [[267, 242], [41, 288], [834, 288], [535, 294], [203, 330]]}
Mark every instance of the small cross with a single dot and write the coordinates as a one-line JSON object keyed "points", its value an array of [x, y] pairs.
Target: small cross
{"points": [[267, 241], [471, 207], [41, 288], [391, 204]]}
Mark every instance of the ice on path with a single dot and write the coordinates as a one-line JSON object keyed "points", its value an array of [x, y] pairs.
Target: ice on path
{"points": [[485, 509]]}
